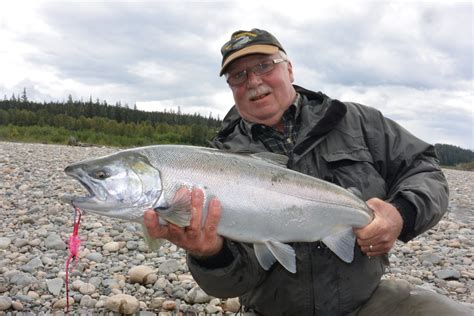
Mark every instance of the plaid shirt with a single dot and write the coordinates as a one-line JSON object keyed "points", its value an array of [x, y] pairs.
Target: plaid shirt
{"points": [[276, 141]]}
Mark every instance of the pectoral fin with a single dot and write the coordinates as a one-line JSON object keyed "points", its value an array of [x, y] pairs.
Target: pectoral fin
{"points": [[273, 250], [342, 244], [178, 211]]}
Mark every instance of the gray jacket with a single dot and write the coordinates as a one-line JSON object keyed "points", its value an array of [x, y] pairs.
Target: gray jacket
{"points": [[353, 146]]}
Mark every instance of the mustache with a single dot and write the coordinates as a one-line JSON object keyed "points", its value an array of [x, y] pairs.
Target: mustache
{"points": [[258, 91]]}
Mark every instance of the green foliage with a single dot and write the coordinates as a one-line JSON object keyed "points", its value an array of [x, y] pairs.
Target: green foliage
{"points": [[95, 123], [466, 166], [450, 155]]}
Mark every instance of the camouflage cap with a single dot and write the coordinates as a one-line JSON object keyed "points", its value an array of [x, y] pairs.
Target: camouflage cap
{"points": [[243, 43]]}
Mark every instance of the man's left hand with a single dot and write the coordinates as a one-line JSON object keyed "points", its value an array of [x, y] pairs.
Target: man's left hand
{"points": [[378, 237]]}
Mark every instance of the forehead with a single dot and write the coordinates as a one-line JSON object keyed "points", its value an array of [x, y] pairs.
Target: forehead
{"points": [[247, 61]]}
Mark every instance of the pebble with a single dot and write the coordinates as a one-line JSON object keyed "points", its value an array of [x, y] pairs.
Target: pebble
{"points": [[95, 256], [4, 242], [61, 303], [87, 288], [112, 246], [55, 286], [169, 305], [36, 225]]}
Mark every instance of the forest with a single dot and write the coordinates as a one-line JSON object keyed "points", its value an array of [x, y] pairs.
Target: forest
{"points": [[98, 123]]}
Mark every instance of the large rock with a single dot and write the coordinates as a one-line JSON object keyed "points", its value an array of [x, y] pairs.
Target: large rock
{"points": [[123, 303], [169, 266], [54, 241], [5, 242], [20, 278], [197, 295], [5, 303], [448, 274], [55, 285], [142, 274], [112, 246]]}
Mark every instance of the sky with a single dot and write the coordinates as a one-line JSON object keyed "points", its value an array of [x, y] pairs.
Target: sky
{"points": [[412, 60]]}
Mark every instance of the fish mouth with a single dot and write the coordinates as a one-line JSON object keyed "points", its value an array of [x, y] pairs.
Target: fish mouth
{"points": [[94, 196]]}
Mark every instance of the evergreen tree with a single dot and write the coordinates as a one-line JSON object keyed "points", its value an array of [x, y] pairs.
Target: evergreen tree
{"points": [[24, 98]]}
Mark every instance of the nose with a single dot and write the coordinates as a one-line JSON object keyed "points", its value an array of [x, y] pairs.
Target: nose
{"points": [[253, 80]]}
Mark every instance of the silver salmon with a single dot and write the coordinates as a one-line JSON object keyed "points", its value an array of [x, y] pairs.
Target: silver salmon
{"points": [[263, 202]]}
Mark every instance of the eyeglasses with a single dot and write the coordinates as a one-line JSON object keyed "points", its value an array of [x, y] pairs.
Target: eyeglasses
{"points": [[265, 67]]}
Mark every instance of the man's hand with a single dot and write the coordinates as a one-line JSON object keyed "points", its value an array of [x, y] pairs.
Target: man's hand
{"points": [[198, 240], [380, 235]]}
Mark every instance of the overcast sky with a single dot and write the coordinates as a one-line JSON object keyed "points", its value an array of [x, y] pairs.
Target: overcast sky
{"points": [[413, 60]]}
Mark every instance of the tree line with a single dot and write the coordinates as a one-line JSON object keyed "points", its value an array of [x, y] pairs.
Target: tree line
{"points": [[116, 125], [450, 155], [100, 123]]}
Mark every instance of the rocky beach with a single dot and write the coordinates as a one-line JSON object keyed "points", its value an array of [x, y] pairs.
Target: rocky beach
{"points": [[115, 272]]}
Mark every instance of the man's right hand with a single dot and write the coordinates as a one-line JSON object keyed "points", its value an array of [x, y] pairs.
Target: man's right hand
{"points": [[199, 240]]}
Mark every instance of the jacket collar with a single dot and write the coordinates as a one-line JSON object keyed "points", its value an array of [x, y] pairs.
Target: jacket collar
{"points": [[320, 115]]}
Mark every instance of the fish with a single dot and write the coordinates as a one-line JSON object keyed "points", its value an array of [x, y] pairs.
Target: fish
{"points": [[262, 201]]}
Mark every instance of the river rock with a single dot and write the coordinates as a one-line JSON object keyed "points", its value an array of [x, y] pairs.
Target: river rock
{"points": [[54, 241], [5, 303], [55, 285], [142, 274], [169, 305], [87, 288], [197, 295], [21, 278], [62, 303], [4, 242], [123, 303], [169, 266], [112, 246], [448, 274], [232, 305]]}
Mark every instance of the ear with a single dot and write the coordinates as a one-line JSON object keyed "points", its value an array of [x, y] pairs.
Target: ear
{"points": [[290, 71]]}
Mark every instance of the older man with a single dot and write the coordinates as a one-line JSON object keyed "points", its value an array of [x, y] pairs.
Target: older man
{"points": [[345, 143]]}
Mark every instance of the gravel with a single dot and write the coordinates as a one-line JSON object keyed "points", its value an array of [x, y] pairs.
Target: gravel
{"points": [[115, 272]]}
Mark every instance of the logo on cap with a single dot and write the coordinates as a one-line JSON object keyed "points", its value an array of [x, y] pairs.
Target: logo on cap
{"points": [[240, 39]]}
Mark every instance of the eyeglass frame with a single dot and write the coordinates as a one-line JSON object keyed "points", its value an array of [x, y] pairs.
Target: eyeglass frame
{"points": [[253, 69]]}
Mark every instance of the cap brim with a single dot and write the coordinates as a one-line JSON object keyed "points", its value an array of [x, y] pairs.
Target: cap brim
{"points": [[254, 49]]}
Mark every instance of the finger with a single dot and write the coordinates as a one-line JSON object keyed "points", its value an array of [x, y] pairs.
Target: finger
{"points": [[212, 219], [151, 222], [197, 199]]}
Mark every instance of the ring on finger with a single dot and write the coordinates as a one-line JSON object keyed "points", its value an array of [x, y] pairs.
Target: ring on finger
{"points": [[371, 247]]}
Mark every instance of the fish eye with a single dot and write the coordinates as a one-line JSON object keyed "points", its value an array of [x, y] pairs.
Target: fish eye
{"points": [[101, 174]]}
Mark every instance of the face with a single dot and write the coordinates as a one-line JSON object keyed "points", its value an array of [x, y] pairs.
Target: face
{"points": [[263, 99]]}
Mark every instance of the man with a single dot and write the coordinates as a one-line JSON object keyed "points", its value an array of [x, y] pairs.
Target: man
{"points": [[345, 143]]}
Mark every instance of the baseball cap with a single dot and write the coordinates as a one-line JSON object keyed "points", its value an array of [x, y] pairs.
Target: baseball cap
{"points": [[243, 43]]}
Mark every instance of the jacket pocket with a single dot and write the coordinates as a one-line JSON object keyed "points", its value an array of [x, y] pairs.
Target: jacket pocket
{"points": [[354, 167], [341, 158]]}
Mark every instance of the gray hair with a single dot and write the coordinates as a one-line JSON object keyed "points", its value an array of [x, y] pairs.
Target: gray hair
{"points": [[283, 55]]}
